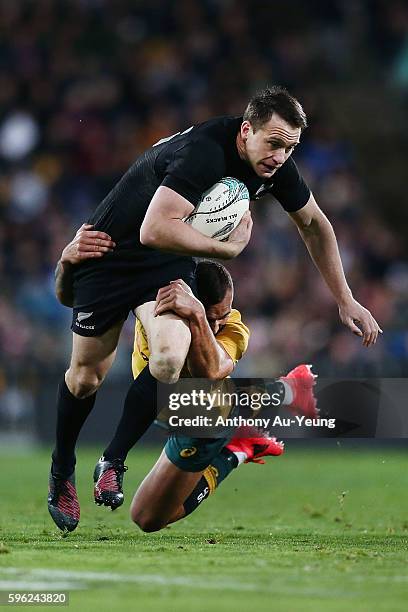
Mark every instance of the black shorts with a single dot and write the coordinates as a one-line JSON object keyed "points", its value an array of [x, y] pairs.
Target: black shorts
{"points": [[107, 289]]}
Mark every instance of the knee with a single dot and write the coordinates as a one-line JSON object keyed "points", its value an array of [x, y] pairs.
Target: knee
{"points": [[147, 523], [166, 368], [82, 381]]}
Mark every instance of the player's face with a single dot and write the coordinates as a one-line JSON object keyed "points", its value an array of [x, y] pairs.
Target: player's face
{"points": [[218, 314], [269, 146]]}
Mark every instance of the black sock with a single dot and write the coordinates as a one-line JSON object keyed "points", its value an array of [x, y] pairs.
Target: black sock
{"points": [[139, 412], [71, 415], [221, 466]]}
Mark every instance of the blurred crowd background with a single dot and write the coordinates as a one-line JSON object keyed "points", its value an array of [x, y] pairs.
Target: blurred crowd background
{"points": [[86, 85]]}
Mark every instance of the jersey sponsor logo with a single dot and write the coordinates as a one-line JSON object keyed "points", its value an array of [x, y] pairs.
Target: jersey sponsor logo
{"points": [[188, 452]]}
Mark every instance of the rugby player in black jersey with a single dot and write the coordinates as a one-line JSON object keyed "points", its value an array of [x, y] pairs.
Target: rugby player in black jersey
{"points": [[143, 217]]}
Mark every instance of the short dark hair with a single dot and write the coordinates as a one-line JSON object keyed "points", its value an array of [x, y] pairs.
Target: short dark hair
{"points": [[213, 282], [277, 100]]}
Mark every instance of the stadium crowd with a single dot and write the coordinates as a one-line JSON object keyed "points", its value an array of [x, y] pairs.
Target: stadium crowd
{"points": [[86, 85]]}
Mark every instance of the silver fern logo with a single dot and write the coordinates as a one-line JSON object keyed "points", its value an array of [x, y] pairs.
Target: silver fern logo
{"points": [[83, 315]]}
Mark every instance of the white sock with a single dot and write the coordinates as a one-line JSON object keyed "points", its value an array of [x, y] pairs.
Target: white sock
{"points": [[288, 399], [241, 456]]}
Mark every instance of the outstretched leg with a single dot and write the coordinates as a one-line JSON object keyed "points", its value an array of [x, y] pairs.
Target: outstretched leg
{"points": [[169, 492]]}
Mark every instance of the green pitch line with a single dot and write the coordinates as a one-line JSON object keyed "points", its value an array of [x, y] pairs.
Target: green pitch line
{"points": [[311, 531]]}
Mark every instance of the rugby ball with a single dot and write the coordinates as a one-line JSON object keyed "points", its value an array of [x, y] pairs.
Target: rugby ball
{"points": [[220, 209]]}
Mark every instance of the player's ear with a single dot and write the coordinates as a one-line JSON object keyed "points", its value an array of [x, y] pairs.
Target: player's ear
{"points": [[245, 129]]}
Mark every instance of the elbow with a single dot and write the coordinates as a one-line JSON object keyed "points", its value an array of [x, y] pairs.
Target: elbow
{"points": [[306, 234], [154, 234], [307, 229], [316, 227], [148, 236]]}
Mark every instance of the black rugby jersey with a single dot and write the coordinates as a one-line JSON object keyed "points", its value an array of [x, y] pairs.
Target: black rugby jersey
{"points": [[190, 162]]}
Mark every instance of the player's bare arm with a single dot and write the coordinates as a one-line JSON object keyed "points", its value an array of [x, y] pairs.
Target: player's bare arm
{"points": [[206, 358], [86, 244], [163, 228], [320, 240]]}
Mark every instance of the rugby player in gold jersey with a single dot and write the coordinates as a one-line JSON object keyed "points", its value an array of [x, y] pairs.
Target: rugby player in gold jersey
{"points": [[188, 469]]}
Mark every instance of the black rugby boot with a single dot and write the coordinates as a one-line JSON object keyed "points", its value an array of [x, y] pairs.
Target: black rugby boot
{"points": [[108, 479], [63, 504]]}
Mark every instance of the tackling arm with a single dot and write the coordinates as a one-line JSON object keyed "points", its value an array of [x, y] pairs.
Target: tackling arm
{"points": [[87, 244], [63, 283], [206, 358]]}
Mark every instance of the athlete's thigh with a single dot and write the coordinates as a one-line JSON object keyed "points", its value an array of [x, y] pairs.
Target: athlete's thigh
{"points": [[165, 333], [95, 352], [163, 491]]}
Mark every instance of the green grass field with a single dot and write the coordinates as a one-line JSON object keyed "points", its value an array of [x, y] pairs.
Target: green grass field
{"points": [[312, 530]]}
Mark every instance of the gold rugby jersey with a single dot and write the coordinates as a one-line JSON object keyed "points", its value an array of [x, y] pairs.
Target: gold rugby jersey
{"points": [[233, 338]]}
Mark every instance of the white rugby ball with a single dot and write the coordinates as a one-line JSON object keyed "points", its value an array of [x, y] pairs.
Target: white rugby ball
{"points": [[220, 209]]}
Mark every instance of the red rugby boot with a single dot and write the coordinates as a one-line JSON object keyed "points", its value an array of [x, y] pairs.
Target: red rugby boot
{"points": [[256, 447], [302, 380]]}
